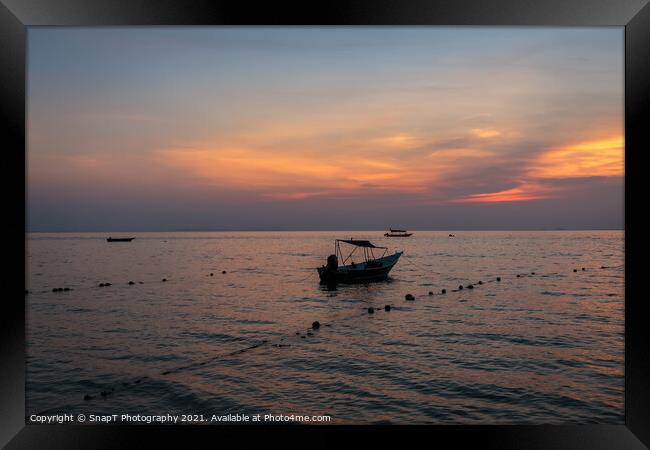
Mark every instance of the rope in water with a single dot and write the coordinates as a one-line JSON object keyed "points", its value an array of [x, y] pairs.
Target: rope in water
{"points": [[170, 280], [316, 326]]}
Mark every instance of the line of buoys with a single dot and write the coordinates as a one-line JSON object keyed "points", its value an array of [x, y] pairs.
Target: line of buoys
{"points": [[314, 326], [66, 289], [498, 279]]}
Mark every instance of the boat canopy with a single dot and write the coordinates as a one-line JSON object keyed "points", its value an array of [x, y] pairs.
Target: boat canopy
{"points": [[359, 243]]}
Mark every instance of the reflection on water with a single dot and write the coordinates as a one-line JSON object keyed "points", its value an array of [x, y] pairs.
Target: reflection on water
{"points": [[543, 348]]}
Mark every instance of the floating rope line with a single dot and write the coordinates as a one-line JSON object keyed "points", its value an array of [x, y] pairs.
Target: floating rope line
{"points": [[173, 280], [408, 260], [311, 274], [316, 326]]}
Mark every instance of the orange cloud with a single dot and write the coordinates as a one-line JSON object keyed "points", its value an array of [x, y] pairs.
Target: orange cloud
{"points": [[486, 132], [599, 158], [452, 154], [354, 167], [523, 192], [397, 141], [291, 175]]}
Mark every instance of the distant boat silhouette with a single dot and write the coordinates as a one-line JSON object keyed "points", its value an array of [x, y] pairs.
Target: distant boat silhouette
{"points": [[397, 233], [112, 239]]}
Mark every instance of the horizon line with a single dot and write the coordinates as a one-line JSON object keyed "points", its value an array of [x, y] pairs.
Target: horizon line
{"points": [[226, 230]]}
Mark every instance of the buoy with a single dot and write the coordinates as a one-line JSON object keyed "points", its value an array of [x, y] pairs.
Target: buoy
{"points": [[518, 275], [470, 286], [387, 308], [131, 282], [532, 273], [55, 290], [87, 397], [101, 285], [583, 268], [602, 267], [460, 287], [430, 293], [223, 271], [211, 274], [480, 282], [164, 279], [297, 333], [315, 325], [498, 278], [575, 270], [309, 333], [409, 297], [444, 291], [107, 284], [371, 310], [66, 289], [104, 393], [302, 337]]}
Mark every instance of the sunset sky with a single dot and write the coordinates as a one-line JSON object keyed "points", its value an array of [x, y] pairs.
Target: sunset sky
{"points": [[133, 129]]}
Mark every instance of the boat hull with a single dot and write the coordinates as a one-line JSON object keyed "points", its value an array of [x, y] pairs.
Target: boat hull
{"points": [[360, 273], [398, 235], [119, 239]]}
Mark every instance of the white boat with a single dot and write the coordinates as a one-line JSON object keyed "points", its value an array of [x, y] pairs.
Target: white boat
{"points": [[397, 233]]}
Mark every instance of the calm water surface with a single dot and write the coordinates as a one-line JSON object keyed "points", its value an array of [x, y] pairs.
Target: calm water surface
{"points": [[543, 348]]}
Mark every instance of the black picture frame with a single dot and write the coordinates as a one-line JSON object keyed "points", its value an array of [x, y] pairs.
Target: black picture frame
{"points": [[17, 15]]}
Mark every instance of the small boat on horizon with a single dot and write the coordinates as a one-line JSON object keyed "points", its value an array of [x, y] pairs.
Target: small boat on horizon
{"points": [[112, 239], [371, 269], [397, 233]]}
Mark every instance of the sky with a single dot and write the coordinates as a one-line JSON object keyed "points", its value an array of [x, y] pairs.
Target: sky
{"points": [[324, 128]]}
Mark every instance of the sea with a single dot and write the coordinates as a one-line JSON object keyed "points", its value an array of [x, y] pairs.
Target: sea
{"points": [[211, 324]]}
